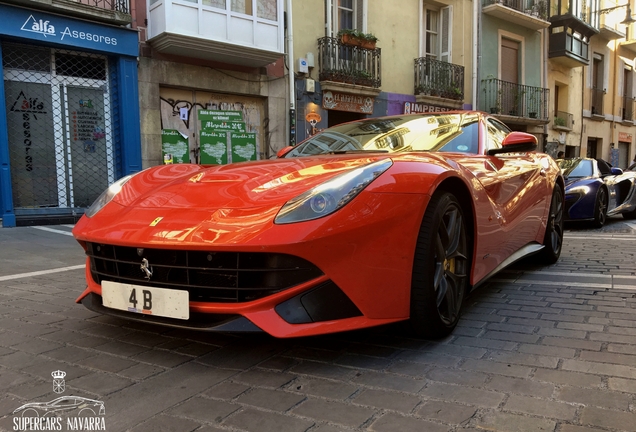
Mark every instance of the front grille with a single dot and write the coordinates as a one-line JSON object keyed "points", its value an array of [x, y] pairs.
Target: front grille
{"points": [[226, 277]]}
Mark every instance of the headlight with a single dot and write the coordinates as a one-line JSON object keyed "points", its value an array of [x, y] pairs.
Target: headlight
{"points": [[583, 190], [329, 196], [107, 196]]}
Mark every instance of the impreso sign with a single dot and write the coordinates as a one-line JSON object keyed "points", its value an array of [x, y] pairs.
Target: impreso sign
{"points": [[24, 23]]}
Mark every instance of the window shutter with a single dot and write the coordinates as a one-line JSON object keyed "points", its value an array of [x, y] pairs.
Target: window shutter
{"points": [[359, 22], [445, 35]]}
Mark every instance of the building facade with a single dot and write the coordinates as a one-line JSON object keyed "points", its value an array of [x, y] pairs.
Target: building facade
{"points": [[421, 60], [512, 73], [69, 118]]}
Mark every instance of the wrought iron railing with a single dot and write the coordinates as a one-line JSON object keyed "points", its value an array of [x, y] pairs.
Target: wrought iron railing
{"points": [[597, 101], [503, 97], [536, 8], [348, 63], [628, 108], [563, 120], [438, 78], [114, 5]]}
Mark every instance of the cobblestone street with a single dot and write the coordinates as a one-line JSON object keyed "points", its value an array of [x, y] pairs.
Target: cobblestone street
{"points": [[538, 349]]}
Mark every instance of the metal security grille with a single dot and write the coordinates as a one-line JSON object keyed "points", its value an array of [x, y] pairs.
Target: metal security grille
{"points": [[60, 128]]}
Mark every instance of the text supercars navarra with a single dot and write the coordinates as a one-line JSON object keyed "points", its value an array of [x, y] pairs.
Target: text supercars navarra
{"points": [[37, 423], [88, 36], [55, 424]]}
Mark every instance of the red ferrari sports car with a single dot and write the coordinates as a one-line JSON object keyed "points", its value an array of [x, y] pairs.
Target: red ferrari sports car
{"points": [[366, 223]]}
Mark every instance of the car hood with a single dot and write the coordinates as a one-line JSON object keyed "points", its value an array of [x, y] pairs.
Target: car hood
{"points": [[244, 185]]}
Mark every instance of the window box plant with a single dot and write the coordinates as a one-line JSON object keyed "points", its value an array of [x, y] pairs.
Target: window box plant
{"points": [[357, 38]]}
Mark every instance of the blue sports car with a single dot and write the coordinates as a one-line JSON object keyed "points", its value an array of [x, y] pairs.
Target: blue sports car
{"points": [[594, 190]]}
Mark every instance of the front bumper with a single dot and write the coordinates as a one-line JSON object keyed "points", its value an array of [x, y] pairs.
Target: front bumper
{"points": [[366, 250]]}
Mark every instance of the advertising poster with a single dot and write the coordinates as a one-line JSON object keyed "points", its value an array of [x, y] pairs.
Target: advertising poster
{"points": [[213, 147], [174, 147], [243, 147], [220, 116], [215, 125]]}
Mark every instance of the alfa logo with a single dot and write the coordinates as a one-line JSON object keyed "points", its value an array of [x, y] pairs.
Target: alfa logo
{"points": [[42, 27]]}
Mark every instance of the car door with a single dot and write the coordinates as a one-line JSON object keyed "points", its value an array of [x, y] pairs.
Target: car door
{"points": [[516, 187]]}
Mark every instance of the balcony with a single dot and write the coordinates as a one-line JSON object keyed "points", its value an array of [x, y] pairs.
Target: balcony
{"points": [[563, 121], [348, 68], [515, 102], [627, 110], [435, 79], [248, 33], [531, 14], [107, 11]]}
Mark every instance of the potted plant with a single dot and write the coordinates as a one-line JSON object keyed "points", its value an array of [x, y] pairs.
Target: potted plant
{"points": [[357, 38], [456, 92], [368, 41], [559, 121], [364, 78]]}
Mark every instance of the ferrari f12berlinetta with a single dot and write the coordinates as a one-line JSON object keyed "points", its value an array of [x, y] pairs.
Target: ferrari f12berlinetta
{"points": [[366, 223]]}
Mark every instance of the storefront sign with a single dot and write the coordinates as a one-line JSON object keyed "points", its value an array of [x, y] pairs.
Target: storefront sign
{"points": [[417, 108], [625, 137], [347, 102], [45, 27], [174, 147]]}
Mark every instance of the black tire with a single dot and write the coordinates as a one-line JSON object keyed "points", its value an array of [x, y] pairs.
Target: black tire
{"points": [[600, 208], [440, 268], [553, 238]]}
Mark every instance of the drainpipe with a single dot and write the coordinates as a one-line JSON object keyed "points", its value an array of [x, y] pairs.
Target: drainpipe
{"points": [[476, 5], [544, 46], [292, 74]]}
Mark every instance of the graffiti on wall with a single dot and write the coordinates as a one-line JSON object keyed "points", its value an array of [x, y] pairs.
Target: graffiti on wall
{"points": [[252, 109]]}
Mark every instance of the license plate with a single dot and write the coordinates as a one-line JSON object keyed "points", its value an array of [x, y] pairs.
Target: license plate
{"points": [[146, 300]]}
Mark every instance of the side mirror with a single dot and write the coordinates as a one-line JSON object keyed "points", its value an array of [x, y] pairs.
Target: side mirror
{"points": [[282, 152], [616, 171], [516, 142]]}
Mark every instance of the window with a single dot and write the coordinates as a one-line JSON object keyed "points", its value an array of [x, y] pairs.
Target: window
{"points": [[345, 14], [597, 84], [437, 40], [266, 9]]}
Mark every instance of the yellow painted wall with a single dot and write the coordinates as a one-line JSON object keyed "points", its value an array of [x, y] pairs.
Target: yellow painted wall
{"points": [[397, 25]]}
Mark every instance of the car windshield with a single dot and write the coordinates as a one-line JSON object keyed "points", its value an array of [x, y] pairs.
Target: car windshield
{"points": [[576, 168], [456, 132]]}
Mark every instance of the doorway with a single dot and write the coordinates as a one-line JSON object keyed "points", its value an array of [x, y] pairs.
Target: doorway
{"points": [[60, 127]]}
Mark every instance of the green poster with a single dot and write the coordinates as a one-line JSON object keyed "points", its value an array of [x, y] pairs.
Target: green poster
{"points": [[217, 125], [213, 147], [217, 115], [174, 147], [243, 147]]}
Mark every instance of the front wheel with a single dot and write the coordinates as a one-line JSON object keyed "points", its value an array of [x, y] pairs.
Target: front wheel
{"points": [[553, 238], [440, 268], [600, 208]]}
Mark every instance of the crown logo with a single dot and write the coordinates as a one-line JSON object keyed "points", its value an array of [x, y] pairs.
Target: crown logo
{"points": [[58, 374]]}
